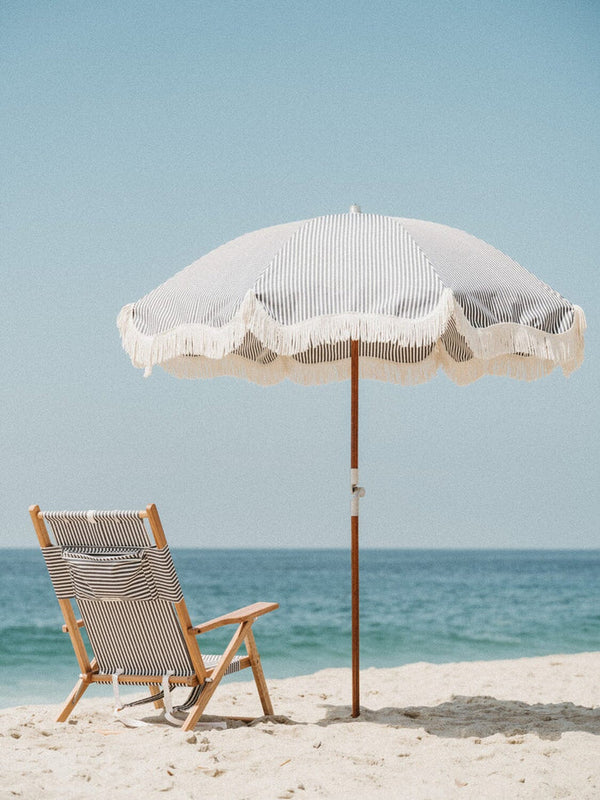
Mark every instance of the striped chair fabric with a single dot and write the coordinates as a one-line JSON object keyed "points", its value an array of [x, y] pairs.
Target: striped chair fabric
{"points": [[124, 588]]}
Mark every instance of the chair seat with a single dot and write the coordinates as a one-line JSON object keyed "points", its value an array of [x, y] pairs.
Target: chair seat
{"points": [[211, 661]]}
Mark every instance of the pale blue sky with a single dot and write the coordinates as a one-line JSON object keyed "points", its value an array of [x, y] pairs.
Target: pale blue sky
{"points": [[136, 136]]}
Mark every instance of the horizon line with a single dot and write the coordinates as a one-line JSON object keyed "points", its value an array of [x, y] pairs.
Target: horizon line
{"points": [[362, 548]]}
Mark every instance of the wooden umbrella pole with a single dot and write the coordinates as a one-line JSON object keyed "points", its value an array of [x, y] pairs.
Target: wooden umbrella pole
{"points": [[356, 493]]}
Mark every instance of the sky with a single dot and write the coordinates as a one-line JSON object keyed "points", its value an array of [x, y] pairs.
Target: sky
{"points": [[137, 136]]}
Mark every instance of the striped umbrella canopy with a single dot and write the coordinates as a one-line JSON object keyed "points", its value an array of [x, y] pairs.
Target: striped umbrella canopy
{"points": [[340, 295]]}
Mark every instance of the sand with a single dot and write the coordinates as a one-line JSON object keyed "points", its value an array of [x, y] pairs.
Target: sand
{"points": [[527, 728]]}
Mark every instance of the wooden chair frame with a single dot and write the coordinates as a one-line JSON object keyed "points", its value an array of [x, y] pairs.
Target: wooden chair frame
{"points": [[210, 677]]}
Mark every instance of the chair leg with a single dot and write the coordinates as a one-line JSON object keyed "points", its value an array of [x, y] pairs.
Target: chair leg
{"points": [[259, 676], [215, 677], [154, 690], [72, 700], [197, 710]]}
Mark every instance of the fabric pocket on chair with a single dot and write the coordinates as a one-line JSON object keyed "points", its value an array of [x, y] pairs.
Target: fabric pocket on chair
{"points": [[117, 575]]}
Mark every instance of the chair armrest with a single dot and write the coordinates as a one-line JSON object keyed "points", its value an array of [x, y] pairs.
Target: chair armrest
{"points": [[241, 615], [80, 624]]}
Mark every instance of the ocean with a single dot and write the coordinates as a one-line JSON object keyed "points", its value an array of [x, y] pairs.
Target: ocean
{"points": [[416, 605]]}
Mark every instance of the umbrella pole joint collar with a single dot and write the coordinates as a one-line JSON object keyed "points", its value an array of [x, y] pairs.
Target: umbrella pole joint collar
{"points": [[356, 492]]}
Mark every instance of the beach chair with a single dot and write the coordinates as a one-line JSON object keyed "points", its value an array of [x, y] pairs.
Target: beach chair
{"points": [[131, 606]]}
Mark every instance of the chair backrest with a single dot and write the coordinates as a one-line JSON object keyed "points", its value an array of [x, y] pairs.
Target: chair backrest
{"points": [[125, 587]]}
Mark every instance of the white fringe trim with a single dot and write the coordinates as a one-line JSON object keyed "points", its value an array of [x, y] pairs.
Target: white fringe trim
{"points": [[307, 374], [147, 351], [508, 338], [511, 349], [284, 367]]}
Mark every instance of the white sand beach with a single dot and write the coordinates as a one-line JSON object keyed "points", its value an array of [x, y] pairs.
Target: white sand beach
{"points": [[528, 728]]}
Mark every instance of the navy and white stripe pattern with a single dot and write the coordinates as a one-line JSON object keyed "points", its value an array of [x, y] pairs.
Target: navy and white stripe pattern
{"points": [[104, 573], [109, 575], [489, 286], [142, 638], [124, 587], [349, 263], [285, 301], [163, 574], [98, 528], [59, 572]]}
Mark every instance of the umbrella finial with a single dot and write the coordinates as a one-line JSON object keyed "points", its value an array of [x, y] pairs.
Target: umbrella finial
{"points": [[354, 209]]}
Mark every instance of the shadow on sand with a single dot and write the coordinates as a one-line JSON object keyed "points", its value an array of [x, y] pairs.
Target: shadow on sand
{"points": [[464, 717]]}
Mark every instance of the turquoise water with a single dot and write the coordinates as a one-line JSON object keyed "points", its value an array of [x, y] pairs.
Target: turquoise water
{"points": [[416, 605]]}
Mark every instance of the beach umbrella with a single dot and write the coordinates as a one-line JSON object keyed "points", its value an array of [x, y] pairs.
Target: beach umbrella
{"points": [[344, 295]]}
